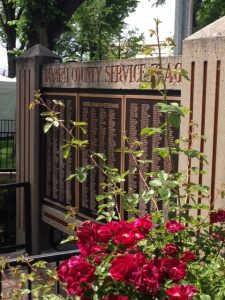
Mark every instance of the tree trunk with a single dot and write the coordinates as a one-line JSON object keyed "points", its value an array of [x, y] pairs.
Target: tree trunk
{"points": [[11, 66], [11, 45]]}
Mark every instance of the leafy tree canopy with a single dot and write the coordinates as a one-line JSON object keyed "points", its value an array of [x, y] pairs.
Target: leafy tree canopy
{"points": [[97, 32], [207, 11], [31, 22]]}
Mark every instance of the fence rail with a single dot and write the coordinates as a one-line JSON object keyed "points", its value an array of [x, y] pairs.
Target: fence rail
{"points": [[7, 145], [53, 257], [8, 217]]}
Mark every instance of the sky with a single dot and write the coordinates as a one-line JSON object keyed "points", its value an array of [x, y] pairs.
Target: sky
{"points": [[142, 18]]}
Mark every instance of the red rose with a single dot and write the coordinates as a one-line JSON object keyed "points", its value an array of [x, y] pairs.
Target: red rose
{"points": [[143, 224], [105, 232], [217, 216], [87, 237], [135, 270], [188, 256], [149, 278], [62, 271], [175, 269], [78, 274], [125, 267], [174, 226], [127, 235], [115, 297], [170, 249], [181, 292]]}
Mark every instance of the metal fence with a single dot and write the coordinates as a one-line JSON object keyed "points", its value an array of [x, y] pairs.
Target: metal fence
{"points": [[8, 217], [54, 258], [7, 145]]}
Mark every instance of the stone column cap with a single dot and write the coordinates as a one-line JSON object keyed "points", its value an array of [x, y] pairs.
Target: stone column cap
{"points": [[39, 50], [213, 30]]}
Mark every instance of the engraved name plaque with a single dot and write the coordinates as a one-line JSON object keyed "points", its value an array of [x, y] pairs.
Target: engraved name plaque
{"points": [[142, 113], [103, 116], [56, 168], [108, 118]]}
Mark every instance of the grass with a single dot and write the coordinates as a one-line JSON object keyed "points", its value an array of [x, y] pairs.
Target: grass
{"points": [[7, 154]]}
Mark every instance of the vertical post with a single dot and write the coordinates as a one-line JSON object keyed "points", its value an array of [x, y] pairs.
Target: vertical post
{"points": [[183, 23], [204, 59], [28, 74], [27, 214]]}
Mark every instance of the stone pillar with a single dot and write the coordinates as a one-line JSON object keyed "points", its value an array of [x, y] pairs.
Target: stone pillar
{"points": [[28, 74], [204, 59]]}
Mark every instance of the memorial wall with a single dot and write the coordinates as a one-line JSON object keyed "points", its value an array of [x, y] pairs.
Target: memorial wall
{"points": [[110, 113]]}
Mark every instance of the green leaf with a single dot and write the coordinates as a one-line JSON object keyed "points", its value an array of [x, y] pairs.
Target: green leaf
{"points": [[101, 217], [151, 131], [47, 114], [25, 292], [81, 174], [32, 105], [155, 183], [71, 176], [186, 206], [184, 73], [52, 297], [100, 197], [164, 193], [68, 239], [66, 151], [163, 176], [147, 195], [79, 123], [79, 143], [100, 156], [47, 126], [174, 120], [58, 102], [163, 152], [55, 123], [201, 206], [205, 297]]}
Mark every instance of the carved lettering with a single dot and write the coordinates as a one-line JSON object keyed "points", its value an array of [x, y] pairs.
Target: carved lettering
{"points": [[131, 74]]}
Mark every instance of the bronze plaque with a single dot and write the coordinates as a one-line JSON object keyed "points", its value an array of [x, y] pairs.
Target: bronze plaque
{"points": [[142, 113], [56, 168], [103, 116]]}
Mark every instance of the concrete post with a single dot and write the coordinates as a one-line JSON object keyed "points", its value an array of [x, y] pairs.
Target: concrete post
{"points": [[28, 74], [204, 59]]}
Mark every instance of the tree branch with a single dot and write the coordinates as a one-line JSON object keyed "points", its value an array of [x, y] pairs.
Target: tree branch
{"points": [[2, 23], [19, 13], [56, 27]]}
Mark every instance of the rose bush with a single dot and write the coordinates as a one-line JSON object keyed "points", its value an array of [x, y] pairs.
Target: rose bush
{"points": [[149, 257], [166, 255]]}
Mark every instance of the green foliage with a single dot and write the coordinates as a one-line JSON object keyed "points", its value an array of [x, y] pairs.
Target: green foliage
{"points": [[7, 153], [97, 31], [208, 11]]}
